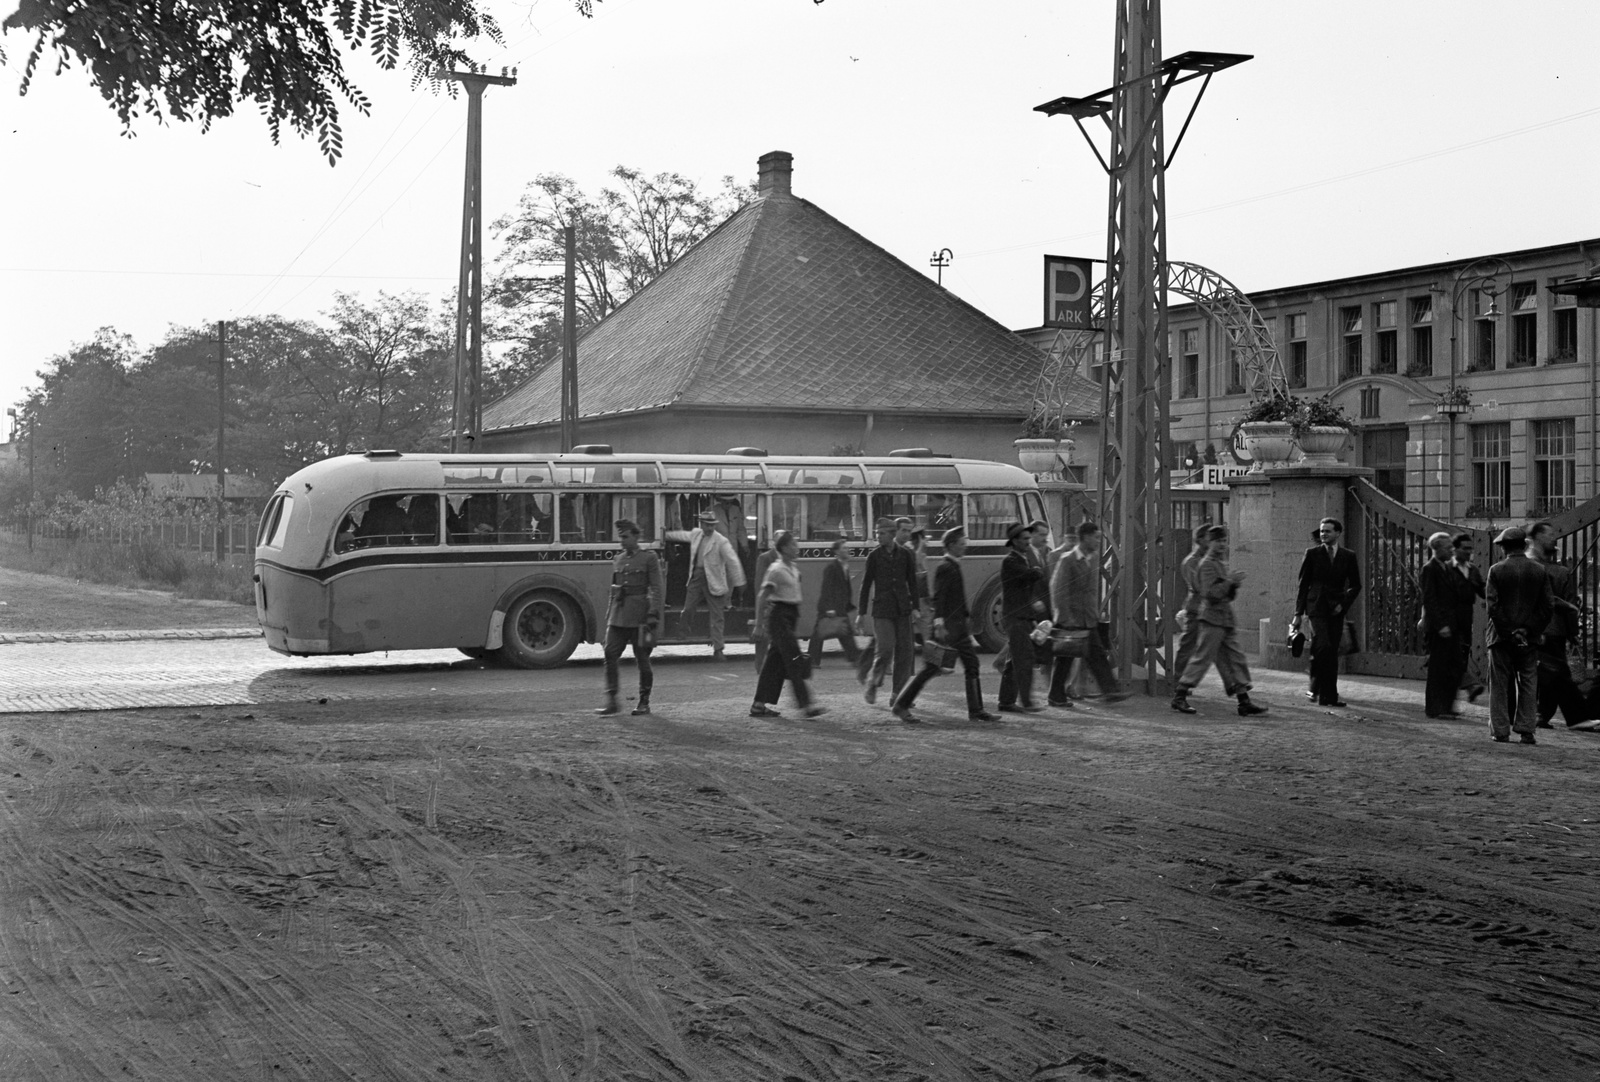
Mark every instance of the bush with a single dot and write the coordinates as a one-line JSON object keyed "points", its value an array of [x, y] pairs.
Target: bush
{"points": [[153, 561], [211, 581]]}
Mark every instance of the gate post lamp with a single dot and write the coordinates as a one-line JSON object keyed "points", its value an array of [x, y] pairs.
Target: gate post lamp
{"points": [[1474, 274]]}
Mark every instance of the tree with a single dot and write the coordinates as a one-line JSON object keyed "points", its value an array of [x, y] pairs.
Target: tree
{"points": [[80, 415], [196, 59], [624, 238]]}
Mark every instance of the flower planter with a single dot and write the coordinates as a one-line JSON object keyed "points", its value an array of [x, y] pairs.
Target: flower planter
{"points": [[1321, 444], [1042, 455], [1270, 444]]}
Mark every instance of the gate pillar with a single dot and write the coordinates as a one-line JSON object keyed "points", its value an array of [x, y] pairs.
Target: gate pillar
{"points": [[1272, 514]]}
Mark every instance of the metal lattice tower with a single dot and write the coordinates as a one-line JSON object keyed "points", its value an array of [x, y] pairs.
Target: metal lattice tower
{"points": [[1226, 305], [1134, 490]]}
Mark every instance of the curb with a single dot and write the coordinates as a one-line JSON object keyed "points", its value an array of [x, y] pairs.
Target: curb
{"points": [[20, 637]]}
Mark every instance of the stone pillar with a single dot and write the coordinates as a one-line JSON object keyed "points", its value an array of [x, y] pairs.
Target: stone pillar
{"points": [[1064, 506], [1270, 519]]}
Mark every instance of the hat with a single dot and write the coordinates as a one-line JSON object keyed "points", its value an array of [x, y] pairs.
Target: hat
{"points": [[1016, 530], [708, 516], [1512, 533], [623, 525]]}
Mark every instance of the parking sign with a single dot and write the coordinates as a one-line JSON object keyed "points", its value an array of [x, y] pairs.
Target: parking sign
{"points": [[1066, 291]]}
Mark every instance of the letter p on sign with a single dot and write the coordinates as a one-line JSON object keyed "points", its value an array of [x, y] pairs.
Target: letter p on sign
{"points": [[1066, 292]]}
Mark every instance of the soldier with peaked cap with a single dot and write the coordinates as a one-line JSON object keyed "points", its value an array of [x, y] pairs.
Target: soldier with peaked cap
{"points": [[633, 616]]}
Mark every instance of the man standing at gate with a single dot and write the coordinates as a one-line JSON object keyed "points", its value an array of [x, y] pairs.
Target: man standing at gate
{"points": [[1556, 689], [1520, 606], [1329, 583], [1441, 601], [714, 573]]}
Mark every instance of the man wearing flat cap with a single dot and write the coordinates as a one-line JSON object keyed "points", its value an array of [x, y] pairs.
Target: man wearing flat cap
{"points": [[714, 574], [889, 587], [1520, 605]]}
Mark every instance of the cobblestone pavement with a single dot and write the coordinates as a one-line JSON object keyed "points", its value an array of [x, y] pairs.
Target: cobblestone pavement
{"points": [[107, 670]]}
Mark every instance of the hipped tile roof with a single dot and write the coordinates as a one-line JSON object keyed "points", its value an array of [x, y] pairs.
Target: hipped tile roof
{"points": [[784, 307]]}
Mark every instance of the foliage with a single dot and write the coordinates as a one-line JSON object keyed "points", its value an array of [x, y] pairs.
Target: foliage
{"points": [[623, 238], [1271, 407], [1321, 411], [1455, 396], [195, 60], [1302, 413]]}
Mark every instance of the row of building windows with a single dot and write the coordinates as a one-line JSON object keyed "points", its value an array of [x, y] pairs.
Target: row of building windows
{"points": [[1552, 458], [1385, 340]]}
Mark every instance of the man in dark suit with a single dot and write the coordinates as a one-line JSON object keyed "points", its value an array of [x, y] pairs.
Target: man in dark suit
{"points": [[1021, 610], [1520, 606], [1469, 583], [1441, 601], [952, 624], [1329, 582], [1556, 689], [889, 592]]}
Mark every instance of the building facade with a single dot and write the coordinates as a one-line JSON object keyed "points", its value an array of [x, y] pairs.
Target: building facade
{"points": [[1471, 384]]}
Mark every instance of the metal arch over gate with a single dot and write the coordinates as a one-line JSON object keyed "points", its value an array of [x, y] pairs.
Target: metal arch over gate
{"points": [[1226, 305], [1063, 364]]}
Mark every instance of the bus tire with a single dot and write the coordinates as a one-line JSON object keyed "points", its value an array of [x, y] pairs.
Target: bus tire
{"points": [[987, 623], [541, 630]]}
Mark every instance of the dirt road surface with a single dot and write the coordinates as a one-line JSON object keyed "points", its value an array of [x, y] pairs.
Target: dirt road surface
{"points": [[489, 887]]}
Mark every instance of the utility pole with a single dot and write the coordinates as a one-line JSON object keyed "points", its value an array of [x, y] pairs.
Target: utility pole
{"points": [[941, 259], [569, 344], [1135, 484], [222, 424], [467, 409]]}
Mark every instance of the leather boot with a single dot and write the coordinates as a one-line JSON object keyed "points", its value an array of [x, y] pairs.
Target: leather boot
{"points": [[611, 705], [975, 710], [644, 704]]}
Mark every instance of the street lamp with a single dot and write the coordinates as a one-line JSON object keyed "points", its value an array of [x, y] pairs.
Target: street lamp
{"points": [[1472, 275]]}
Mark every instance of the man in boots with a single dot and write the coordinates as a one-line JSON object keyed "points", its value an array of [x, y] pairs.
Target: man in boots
{"points": [[952, 624], [633, 616], [1218, 643]]}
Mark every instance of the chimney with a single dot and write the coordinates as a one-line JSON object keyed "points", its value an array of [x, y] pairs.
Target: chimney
{"points": [[775, 168]]}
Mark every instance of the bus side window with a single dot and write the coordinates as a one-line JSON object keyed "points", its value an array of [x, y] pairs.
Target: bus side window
{"points": [[586, 518], [989, 513], [472, 518], [639, 509]]}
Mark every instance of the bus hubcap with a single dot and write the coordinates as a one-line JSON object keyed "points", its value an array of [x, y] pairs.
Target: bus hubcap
{"points": [[541, 625]]}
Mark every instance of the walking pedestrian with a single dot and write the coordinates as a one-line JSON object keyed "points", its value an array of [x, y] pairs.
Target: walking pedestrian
{"points": [[780, 599], [632, 617], [952, 625], [758, 626], [835, 605], [889, 593], [1520, 605], [1330, 579], [1218, 641], [1441, 602], [1075, 601], [714, 576], [1556, 689], [1191, 603], [1020, 611], [1470, 588]]}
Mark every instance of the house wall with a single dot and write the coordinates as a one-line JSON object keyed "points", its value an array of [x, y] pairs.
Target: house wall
{"points": [[1509, 392]]}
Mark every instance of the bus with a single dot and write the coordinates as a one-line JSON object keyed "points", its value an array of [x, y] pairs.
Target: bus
{"points": [[508, 557]]}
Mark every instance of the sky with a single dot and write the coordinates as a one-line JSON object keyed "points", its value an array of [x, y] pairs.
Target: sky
{"points": [[1363, 136]]}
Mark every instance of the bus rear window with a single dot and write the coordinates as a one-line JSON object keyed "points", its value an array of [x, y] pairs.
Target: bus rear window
{"points": [[989, 513], [498, 518], [275, 521]]}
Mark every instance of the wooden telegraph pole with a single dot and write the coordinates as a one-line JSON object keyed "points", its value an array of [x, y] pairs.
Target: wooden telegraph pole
{"points": [[467, 409], [569, 344], [222, 424]]}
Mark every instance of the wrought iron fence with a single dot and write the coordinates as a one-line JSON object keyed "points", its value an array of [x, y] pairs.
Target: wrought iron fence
{"points": [[237, 534]]}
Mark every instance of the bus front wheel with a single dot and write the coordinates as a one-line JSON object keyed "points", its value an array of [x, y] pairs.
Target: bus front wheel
{"points": [[541, 630]]}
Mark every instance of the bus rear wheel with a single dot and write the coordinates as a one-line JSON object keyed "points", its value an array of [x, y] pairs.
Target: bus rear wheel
{"points": [[989, 625], [541, 630]]}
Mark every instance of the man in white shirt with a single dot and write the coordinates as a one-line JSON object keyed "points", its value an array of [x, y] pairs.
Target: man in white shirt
{"points": [[714, 573]]}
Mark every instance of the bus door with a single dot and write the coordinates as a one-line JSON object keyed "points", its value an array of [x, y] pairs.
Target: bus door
{"points": [[740, 518]]}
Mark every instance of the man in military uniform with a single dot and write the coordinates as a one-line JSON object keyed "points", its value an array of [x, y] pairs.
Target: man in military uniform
{"points": [[634, 615]]}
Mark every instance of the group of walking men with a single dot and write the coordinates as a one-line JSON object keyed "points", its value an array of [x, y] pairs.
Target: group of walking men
{"points": [[1532, 610]]}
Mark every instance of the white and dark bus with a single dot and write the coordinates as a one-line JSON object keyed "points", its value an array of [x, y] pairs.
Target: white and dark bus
{"points": [[509, 556]]}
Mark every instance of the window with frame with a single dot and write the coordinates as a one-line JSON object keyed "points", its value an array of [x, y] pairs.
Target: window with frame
{"points": [[1385, 339], [1483, 336], [1297, 350], [820, 516], [1420, 363], [1369, 402], [399, 518], [1235, 372], [1555, 465], [1491, 469], [1524, 325], [1350, 322], [1189, 364], [589, 518], [498, 518], [934, 512], [1564, 335], [989, 513]]}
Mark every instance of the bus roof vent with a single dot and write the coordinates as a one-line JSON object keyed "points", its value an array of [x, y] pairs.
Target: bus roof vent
{"points": [[749, 452], [912, 452], [592, 449], [382, 454]]}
